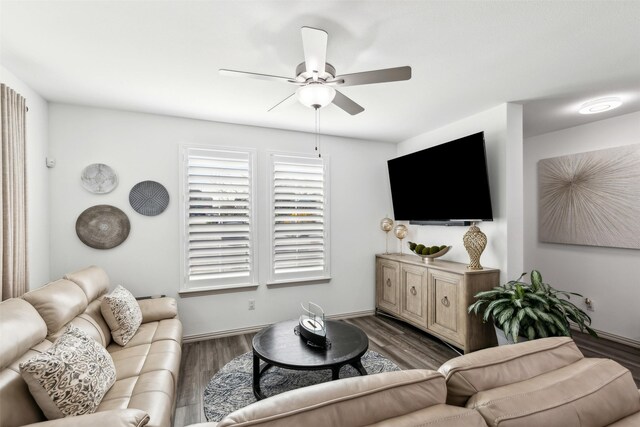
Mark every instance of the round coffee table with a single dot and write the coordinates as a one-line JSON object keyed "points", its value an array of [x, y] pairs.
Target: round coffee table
{"points": [[278, 345]]}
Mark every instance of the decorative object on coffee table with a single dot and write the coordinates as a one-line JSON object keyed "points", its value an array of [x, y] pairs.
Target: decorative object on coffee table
{"points": [[591, 198], [99, 178], [102, 227], [474, 242], [386, 225], [149, 198], [311, 327], [401, 232], [230, 388], [278, 346]]}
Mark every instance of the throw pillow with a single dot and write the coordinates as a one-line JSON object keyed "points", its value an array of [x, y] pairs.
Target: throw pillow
{"points": [[122, 313], [71, 377]]}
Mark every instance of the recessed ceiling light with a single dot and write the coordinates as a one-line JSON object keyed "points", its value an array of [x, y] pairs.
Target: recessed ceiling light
{"points": [[600, 105]]}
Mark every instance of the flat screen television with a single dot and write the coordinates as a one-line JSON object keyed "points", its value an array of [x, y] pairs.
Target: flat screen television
{"points": [[445, 184]]}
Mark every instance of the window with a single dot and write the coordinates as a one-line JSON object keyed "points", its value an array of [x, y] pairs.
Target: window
{"points": [[300, 219], [219, 221]]}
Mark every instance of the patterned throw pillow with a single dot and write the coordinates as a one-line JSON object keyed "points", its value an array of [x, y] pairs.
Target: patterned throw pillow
{"points": [[122, 313], [71, 377]]}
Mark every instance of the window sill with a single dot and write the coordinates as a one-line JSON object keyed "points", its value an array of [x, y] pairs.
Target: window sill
{"points": [[305, 281], [194, 292]]}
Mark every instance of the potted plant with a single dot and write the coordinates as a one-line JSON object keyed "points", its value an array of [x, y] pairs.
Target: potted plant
{"points": [[526, 311]]}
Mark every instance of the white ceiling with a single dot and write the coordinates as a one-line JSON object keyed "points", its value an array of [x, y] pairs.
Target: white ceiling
{"points": [[467, 56]]}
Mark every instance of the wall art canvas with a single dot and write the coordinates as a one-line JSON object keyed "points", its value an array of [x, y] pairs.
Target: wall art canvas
{"points": [[591, 198]]}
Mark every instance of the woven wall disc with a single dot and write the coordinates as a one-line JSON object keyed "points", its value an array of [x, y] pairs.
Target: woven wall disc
{"points": [[149, 198], [103, 227], [99, 178]]}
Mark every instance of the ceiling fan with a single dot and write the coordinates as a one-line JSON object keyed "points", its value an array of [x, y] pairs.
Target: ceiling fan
{"points": [[316, 79]]}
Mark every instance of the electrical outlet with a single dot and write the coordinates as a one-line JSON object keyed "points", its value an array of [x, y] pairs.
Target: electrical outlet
{"points": [[252, 304], [589, 303]]}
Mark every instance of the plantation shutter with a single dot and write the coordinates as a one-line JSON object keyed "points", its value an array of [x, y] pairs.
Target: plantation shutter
{"points": [[300, 219], [220, 221]]}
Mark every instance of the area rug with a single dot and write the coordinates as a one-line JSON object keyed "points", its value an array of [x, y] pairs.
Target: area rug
{"points": [[231, 387]]}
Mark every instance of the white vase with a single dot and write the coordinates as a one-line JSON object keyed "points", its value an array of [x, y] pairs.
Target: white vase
{"points": [[504, 340]]}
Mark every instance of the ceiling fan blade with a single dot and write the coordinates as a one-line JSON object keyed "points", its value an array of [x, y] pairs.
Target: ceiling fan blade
{"points": [[314, 43], [288, 98], [376, 76], [234, 73], [347, 104]]}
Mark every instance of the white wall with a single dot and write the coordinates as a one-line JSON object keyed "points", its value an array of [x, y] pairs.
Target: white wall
{"points": [[609, 276], [145, 147], [502, 126], [37, 180]]}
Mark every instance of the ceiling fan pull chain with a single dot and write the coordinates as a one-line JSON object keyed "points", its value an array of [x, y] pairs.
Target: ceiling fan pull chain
{"points": [[318, 131]]}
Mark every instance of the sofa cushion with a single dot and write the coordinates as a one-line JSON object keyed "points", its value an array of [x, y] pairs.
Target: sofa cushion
{"points": [[438, 415], [154, 309], [71, 377], [368, 399], [153, 392], [122, 313], [118, 418], [93, 281], [589, 393], [20, 328], [630, 421], [57, 303], [17, 406], [494, 367]]}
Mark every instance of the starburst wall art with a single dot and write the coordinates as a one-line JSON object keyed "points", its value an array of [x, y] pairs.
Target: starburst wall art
{"points": [[591, 198]]}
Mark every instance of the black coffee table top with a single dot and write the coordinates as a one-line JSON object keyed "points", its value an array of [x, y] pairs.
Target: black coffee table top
{"points": [[279, 344]]}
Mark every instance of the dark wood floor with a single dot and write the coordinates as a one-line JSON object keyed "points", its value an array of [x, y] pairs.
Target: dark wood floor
{"points": [[408, 347]]}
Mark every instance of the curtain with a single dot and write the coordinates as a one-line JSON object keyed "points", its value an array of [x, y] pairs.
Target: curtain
{"points": [[13, 189]]}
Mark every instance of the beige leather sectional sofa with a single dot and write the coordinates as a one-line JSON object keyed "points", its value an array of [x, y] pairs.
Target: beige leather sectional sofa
{"points": [[146, 368], [542, 383]]}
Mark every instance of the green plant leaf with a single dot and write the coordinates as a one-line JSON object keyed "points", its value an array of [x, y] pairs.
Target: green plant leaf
{"points": [[541, 330], [514, 328], [490, 308], [537, 298], [475, 306], [542, 315], [563, 326], [505, 315], [488, 294], [530, 313], [536, 278], [531, 332]]}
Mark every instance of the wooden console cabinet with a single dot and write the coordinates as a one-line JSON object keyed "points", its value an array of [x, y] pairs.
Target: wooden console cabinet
{"points": [[434, 297]]}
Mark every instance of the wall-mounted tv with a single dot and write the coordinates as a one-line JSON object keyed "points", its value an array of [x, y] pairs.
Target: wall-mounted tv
{"points": [[445, 184]]}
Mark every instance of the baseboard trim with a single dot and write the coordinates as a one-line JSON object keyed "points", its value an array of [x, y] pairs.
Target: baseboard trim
{"points": [[257, 328], [615, 338]]}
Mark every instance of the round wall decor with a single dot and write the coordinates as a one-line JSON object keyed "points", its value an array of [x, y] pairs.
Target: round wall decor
{"points": [[149, 198], [103, 227], [99, 178]]}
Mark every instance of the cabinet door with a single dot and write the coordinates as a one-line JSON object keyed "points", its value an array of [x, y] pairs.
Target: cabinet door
{"points": [[388, 285], [446, 315], [413, 293]]}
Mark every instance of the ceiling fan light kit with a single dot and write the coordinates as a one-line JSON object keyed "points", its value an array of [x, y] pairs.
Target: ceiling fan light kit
{"points": [[315, 95], [317, 79]]}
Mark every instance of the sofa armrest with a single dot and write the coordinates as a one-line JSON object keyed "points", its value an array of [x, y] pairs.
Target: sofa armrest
{"points": [[368, 399], [113, 418], [155, 309]]}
